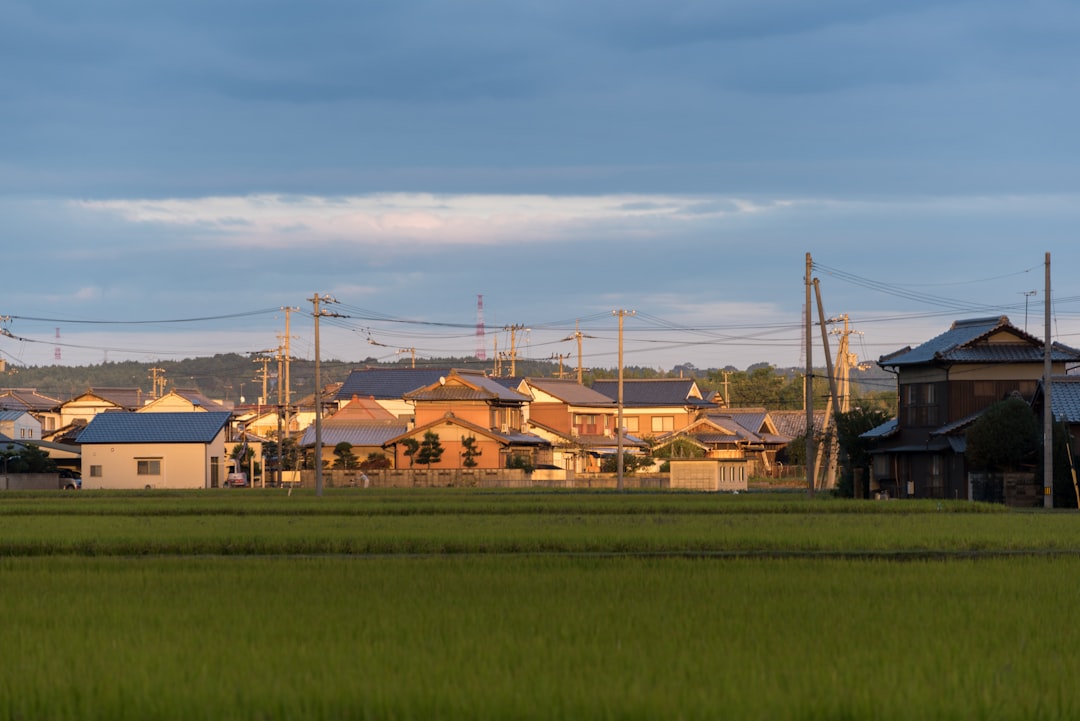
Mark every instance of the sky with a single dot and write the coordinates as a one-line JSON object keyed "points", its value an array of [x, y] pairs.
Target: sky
{"points": [[175, 174]]}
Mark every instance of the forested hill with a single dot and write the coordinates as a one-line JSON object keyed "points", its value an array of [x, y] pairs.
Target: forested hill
{"points": [[230, 376]]}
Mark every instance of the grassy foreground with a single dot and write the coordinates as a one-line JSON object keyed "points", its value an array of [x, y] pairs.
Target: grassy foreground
{"points": [[124, 607]]}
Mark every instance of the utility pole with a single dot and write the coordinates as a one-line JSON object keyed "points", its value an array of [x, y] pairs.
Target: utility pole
{"points": [[513, 329], [157, 378], [1048, 411], [578, 335], [809, 395], [619, 430], [316, 299], [560, 357], [411, 352]]}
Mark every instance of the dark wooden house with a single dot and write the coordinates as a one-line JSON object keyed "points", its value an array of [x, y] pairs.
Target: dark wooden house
{"points": [[944, 385]]}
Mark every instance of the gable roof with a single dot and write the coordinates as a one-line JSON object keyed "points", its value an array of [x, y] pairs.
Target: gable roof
{"points": [[652, 392], [130, 398], [13, 415], [570, 392], [28, 398], [466, 385], [154, 427], [969, 341], [449, 418], [197, 400], [387, 383]]}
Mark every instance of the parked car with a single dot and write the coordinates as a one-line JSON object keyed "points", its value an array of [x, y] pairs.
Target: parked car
{"points": [[236, 480], [70, 480]]}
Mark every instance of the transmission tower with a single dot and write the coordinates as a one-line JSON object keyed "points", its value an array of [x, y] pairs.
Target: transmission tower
{"points": [[481, 352], [56, 350]]}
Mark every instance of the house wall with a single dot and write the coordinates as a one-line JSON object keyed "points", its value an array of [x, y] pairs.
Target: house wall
{"points": [[553, 415], [23, 428], [171, 404], [84, 410], [680, 419], [471, 412], [182, 465], [450, 440]]}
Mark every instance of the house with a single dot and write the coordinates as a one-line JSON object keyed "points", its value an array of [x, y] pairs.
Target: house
{"points": [[466, 409], [182, 400], [388, 386], [655, 406], [944, 385], [744, 434], [42, 407], [155, 450], [578, 421], [363, 424], [20, 425], [101, 400]]}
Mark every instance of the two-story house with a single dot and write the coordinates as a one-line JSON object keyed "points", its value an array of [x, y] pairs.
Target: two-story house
{"points": [[578, 421], [944, 384], [653, 407], [466, 409]]}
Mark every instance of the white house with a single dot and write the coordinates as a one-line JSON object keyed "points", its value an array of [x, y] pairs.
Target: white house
{"points": [[20, 426], [154, 450]]}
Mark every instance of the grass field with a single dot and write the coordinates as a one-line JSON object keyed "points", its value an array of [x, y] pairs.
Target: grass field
{"points": [[466, 604]]}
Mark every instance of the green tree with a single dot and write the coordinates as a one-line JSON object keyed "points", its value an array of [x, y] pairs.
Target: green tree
{"points": [[375, 461], [431, 449], [28, 459], [345, 458], [469, 452], [412, 446], [520, 461], [1005, 437], [632, 462], [854, 450]]}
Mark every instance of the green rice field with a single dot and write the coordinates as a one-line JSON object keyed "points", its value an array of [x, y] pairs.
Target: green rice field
{"points": [[458, 604]]}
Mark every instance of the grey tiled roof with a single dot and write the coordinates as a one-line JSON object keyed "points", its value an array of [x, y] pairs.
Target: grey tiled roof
{"points": [[129, 398], [965, 342], [571, 392], [29, 398], [388, 383], [651, 392], [473, 386], [885, 430], [154, 427], [356, 434], [1065, 398]]}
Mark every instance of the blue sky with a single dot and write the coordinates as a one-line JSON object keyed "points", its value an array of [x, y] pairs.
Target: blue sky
{"points": [[213, 162]]}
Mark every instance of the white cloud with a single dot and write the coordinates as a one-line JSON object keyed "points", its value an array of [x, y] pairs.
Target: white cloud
{"points": [[422, 218]]}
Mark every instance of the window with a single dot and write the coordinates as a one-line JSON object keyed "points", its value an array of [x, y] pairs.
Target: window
{"points": [[920, 404], [95, 471], [631, 424], [149, 467], [661, 424]]}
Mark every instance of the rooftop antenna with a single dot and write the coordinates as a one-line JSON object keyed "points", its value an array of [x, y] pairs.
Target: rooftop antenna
{"points": [[1027, 295]]}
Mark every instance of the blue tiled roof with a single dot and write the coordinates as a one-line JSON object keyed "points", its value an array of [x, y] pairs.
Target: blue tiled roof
{"points": [[388, 383], [154, 427]]}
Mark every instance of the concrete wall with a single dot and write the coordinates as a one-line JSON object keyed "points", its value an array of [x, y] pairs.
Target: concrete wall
{"points": [[30, 482]]}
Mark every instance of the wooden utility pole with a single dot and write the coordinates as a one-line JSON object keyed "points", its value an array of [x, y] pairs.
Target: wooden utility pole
{"points": [[560, 357], [316, 299], [619, 430], [808, 333], [513, 330], [157, 379], [578, 335], [1048, 411]]}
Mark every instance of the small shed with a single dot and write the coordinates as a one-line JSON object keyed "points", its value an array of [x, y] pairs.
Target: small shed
{"points": [[708, 474]]}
